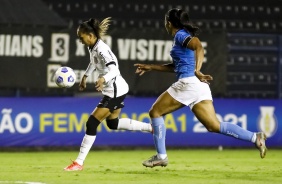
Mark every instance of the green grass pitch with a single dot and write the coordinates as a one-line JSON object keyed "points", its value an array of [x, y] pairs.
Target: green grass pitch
{"points": [[195, 166]]}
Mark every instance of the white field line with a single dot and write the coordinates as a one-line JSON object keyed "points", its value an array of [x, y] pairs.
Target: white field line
{"points": [[21, 182]]}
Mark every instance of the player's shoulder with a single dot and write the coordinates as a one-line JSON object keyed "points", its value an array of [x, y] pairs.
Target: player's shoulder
{"points": [[102, 46], [181, 36], [182, 32]]}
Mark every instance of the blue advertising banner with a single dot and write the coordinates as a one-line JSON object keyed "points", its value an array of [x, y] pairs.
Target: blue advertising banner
{"points": [[61, 121]]}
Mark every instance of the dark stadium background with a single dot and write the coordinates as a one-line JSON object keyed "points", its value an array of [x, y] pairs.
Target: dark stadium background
{"points": [[242, 40], [252, 50]]}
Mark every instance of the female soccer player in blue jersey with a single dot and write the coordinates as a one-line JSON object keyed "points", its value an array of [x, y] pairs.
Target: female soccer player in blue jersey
{"points": [[191, 89]]}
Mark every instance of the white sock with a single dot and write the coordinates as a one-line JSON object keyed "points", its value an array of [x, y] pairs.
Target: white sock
{"points": [[133, 125], [254, 138], [85, 147], [162, 156]]}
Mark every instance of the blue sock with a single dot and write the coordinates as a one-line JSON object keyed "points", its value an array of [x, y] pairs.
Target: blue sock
{"points": [[159, 134], [235, 131]]}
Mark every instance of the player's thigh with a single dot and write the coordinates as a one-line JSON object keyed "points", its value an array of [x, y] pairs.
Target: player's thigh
{"points": [[205, 113], [164, 104], [109, 107], [114, 114], [101, 113]]}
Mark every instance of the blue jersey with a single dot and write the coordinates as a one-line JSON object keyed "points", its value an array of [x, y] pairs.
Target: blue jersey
{"points": [[183, 58]]}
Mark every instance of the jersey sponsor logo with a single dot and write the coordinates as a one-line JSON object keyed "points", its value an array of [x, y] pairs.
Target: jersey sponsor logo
{"points": [[102, 57], [110, 53]]}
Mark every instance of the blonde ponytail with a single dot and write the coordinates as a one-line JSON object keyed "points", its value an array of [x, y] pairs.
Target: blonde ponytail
{"points": [[104, 26], [96, 27]]}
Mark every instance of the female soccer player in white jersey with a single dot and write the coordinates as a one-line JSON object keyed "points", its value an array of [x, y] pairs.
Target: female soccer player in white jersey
{"points": [[110, 83], [191, 89]]}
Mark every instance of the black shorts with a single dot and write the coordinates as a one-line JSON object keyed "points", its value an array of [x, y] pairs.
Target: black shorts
{"points": [[112, 103]]}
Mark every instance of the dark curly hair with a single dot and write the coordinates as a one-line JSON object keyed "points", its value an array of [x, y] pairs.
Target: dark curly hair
{"points": [[180, 19]]}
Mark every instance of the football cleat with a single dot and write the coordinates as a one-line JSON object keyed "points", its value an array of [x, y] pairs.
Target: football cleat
{"points": [[74, 167], [155, 161], [260, 144]]}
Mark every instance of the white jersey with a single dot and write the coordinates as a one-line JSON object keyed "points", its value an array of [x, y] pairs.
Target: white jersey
{"points": [[104, 63]]}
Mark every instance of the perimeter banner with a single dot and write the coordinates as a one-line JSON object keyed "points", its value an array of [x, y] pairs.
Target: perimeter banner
{"points": [[43, 122], [30, 57]]}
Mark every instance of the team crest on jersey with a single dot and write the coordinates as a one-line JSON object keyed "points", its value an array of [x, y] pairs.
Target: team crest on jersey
{"points": [[101, 54]]}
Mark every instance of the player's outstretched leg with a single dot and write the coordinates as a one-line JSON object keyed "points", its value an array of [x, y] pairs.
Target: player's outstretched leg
{"points": [[260, 144], [155, 161], [130, 124], [238, 132]]}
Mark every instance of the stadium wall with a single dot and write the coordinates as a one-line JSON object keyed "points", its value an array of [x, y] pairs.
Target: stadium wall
{"points": [[38, 53], [57, 122]]}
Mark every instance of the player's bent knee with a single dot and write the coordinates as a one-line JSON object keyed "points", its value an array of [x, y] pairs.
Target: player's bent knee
{"points": [[112, 123], [210, 129], [215, 129], [91, 125], [153, 113]]}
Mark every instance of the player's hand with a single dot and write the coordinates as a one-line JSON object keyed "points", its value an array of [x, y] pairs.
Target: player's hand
{"points": [[142, 68], [99, 84], [82, 84], [202, 77]]}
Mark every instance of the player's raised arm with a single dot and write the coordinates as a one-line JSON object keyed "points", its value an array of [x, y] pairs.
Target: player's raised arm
{"points": [[142, 68]]}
